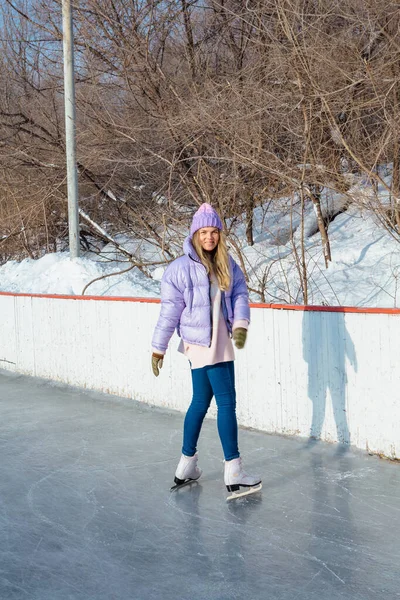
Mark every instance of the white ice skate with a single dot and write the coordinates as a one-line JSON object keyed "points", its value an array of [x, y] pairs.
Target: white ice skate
{"points": [[235, 479], [186, 472]]}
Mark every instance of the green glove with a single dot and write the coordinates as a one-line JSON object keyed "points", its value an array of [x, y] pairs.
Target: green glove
{"points": [[239, 337], [156, 363]]}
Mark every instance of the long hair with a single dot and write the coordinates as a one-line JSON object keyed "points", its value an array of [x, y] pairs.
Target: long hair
{"points": [[217, 261]]}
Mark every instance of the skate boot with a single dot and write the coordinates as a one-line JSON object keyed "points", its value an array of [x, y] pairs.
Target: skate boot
{"points": [[187, 471], [235, 479]]}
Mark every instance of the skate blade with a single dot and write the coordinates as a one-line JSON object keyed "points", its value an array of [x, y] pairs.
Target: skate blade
{"points": [[178, 486], [247, 492]]}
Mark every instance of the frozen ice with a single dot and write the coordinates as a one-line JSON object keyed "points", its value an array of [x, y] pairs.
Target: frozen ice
{"points": [[86, 511]]}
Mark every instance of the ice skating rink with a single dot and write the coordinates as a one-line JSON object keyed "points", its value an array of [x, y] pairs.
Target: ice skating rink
{"points": [[86, 511]]}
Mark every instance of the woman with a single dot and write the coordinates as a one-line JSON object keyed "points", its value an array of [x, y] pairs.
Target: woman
{"points": [[204, 296]]}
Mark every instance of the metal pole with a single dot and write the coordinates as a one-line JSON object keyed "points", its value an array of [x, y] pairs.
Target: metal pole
{"points": [[69, 99]]}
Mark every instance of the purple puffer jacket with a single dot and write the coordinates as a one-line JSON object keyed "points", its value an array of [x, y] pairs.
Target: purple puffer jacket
{"points": [[186, 304]]}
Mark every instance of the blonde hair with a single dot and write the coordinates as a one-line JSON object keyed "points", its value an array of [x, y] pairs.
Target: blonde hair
{"points": [[217, 262]]}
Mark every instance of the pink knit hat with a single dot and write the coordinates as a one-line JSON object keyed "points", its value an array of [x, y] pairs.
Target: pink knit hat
{"points": [[206, 216]]}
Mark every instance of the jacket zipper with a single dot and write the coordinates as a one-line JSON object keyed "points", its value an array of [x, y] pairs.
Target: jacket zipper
{"points": [[225, 313], [211, 311]]}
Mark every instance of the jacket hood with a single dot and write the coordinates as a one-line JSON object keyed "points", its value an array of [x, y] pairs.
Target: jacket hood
{"points": [[189, 249]]}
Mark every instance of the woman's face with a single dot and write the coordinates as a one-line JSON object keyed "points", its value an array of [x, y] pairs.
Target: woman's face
{"points": [[208, 238]]}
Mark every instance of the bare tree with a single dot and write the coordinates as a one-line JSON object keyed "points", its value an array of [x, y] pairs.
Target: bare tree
{"points": [[233, 102]]}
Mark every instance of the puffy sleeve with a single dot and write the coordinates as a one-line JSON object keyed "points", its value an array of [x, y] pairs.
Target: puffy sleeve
{"points": [[172, 305], [240, 295]]}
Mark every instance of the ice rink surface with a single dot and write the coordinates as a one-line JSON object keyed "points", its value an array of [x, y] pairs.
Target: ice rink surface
{"points": [[86, 511]]}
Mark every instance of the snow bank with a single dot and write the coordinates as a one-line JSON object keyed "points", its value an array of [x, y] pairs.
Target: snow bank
{"points": [[58, 274], [364, 271]]}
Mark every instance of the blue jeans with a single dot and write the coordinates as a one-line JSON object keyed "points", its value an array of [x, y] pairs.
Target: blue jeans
{"points": [[219, 381]]}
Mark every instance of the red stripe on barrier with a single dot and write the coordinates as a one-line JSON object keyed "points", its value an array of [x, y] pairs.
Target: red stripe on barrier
{"points": [[341, 309], [310, 308], [67, 297]]}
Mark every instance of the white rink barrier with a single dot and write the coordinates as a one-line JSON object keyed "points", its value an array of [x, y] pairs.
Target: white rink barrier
{"points": [[327, 372]]}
